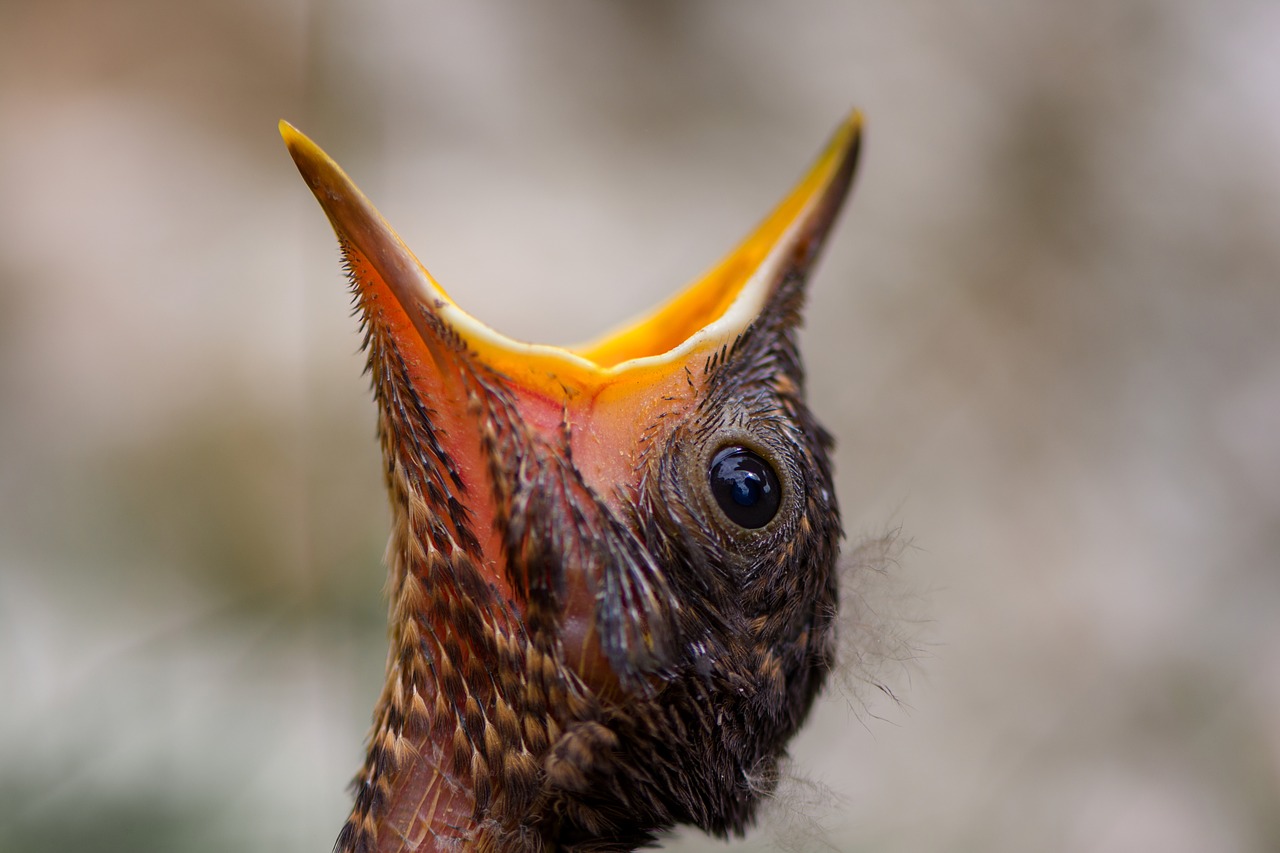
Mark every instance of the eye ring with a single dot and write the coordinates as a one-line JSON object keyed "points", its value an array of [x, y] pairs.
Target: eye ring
{"points": [[745, 486]]}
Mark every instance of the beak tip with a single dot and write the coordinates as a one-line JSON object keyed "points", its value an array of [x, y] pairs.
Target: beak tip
{"points": [[288, 133], [330, 185], [850, 133], [295, 140]]}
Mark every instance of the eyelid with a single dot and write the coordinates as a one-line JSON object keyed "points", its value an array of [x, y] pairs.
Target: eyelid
{"points": [[746, 540]]}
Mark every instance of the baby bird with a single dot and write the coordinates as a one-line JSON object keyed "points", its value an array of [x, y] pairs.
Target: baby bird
{"points": [[612, 568]]}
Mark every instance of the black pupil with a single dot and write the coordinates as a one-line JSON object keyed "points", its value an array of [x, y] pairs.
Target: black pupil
{"points": [[745, 486]]}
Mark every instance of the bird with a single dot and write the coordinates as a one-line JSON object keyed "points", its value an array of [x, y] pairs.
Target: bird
{"points": [[612, 568]]}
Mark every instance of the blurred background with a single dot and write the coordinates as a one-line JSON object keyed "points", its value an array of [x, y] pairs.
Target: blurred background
{"points": [[1046, 333]]}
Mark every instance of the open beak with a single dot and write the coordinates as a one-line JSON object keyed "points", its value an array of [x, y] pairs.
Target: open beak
{"points": [[601, 390]]}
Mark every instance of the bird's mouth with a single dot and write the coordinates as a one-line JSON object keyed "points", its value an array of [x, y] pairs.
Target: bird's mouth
{"points": [[600, 388], [710, 312]]}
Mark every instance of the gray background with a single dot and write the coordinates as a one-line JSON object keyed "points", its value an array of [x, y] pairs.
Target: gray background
{"points": [[1046, 333]]}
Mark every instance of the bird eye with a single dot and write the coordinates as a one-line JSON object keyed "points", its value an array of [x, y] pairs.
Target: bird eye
{"points": [[745, 486]]}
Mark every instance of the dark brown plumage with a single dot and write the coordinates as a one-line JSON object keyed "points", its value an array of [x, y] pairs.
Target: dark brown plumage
{"points": [[612, 571]]}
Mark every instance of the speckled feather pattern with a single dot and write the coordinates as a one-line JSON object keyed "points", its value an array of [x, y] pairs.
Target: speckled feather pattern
{"points": [[716, 640]]}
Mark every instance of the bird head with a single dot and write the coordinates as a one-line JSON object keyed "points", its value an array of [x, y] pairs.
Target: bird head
{"points": [[612, 567]]}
